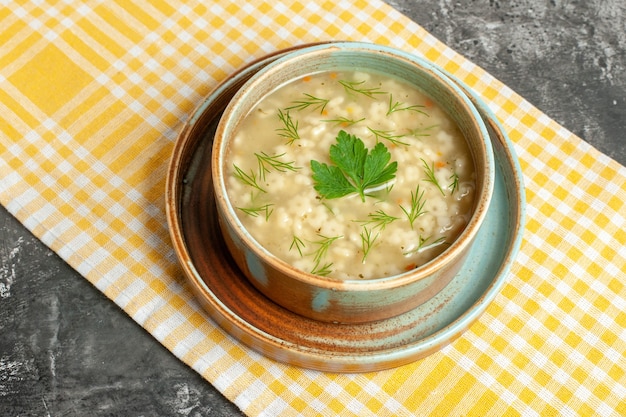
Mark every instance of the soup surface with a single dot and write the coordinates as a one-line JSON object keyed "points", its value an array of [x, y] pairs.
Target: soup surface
{"points": [[351, 175]]}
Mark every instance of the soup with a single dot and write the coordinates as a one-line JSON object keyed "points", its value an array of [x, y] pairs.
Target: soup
{"points": [[351, 175]]}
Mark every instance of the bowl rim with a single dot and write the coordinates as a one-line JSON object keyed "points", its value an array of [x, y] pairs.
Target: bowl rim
{"points": [[461, 242]]}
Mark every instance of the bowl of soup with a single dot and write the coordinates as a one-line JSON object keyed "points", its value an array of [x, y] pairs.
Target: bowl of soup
{"points": [[350, 180]]}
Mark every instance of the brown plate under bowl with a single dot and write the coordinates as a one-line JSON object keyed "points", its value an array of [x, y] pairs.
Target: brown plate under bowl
{"points": [[256, 321]]}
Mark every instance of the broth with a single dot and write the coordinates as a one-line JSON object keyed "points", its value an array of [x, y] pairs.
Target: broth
{"points": [[387, 229]]}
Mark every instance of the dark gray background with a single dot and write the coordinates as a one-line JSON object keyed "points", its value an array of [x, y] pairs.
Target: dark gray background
{"points": [[66, 350]]}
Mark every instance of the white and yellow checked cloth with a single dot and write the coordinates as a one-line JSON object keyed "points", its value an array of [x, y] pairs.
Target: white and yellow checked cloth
{"points": [[92, 95]]}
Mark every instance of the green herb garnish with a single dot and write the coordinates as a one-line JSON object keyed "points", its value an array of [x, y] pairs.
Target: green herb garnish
{"points": [[322, 270], [417, 206], [323, 245], [355, 87], [367, 241], [398, 106], [388, 135], [429, 170], [422, 131], [257, 211], [266, 162], [290, 127], [343, 121], [356, 169], [378, 219], [248, 179], [316, 102], [454, 185], [298, 244]]}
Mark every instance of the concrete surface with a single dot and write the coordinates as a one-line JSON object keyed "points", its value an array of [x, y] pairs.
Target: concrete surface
{"points": [[67, 350]]}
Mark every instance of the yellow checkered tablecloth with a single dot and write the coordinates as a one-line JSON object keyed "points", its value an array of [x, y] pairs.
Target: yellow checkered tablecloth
{"points": [[92, 96]]}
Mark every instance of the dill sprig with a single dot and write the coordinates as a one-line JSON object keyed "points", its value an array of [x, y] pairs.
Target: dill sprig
{"points": [[266, 162], [298, 244], [322, 269], [429, 170], [323, 245], [343, 121], [315, 102], [399, 106], [248, 179], [367, 241], [290, 127], [378, 219], [417, 206], [355, 87], [454, 185], [257, 211], [387, 135], [422, 131]]}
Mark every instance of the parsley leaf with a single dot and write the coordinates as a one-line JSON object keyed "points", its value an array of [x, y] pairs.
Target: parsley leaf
{"points": [[356, 169], [330, 181]]}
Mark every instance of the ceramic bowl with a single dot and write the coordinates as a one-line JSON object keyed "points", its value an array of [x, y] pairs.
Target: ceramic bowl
{"points": [[350, 301]]}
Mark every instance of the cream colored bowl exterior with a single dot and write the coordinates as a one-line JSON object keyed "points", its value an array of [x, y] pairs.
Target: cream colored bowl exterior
{"points": [[350, 301]]}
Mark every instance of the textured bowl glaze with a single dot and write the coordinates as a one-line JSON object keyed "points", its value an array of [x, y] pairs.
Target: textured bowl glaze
{"points": [[350, 301]]}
